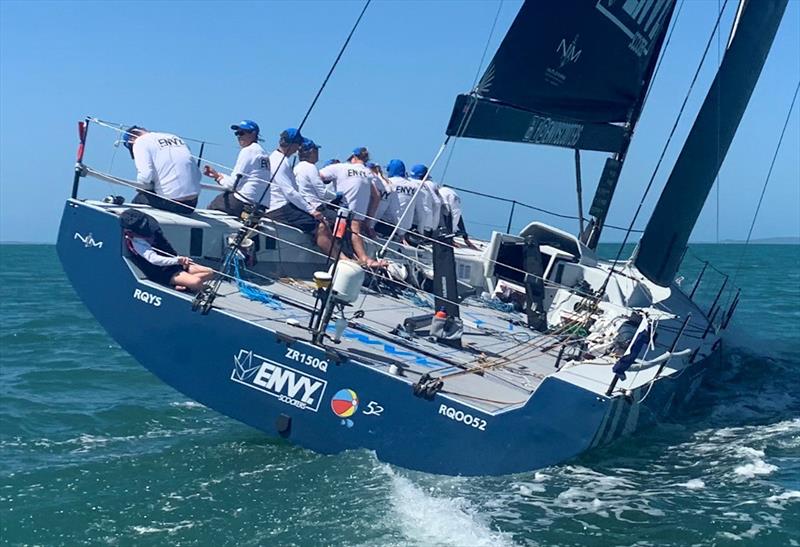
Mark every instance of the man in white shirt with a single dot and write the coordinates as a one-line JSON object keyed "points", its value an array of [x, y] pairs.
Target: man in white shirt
{"points": [[287, 206], [165, 167], [451, 215], [412, 214], [352, 179], [433, 218], [248, 180], [309, 183], [386, 214]]}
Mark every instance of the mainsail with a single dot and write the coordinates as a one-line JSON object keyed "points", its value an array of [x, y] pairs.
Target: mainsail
{"points": [[692, 177], [570, 73]]}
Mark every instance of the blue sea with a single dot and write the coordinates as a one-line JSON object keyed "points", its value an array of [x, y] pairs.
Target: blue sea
{"points": [[96, 450]]}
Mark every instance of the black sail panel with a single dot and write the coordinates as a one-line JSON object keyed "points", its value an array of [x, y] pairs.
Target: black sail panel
{"points": [[570, 61], [668, 230]]}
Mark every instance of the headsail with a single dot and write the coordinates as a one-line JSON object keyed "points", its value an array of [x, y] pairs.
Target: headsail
{"points": [[692, 177], [568, 73]]}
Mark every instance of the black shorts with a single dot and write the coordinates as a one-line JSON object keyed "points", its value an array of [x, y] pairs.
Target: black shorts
{"points": [[383, 229], [291, 215], [182, 207], [159, 274], [228, 203]]}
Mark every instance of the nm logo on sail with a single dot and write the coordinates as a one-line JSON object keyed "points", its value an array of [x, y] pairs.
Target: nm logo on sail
{"points": [[287, 384]]}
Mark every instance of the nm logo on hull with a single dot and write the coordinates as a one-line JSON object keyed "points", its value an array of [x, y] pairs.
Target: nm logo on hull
{"points": [[288, 385]]}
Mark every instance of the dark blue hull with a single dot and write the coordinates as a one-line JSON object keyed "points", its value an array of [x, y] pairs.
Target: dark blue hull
{"points": [[249, 373]]}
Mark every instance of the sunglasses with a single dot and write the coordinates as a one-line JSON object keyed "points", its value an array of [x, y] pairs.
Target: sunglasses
{"points": [[240, 132]]}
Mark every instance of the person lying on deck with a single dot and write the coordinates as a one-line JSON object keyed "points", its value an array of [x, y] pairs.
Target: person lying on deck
{"points": [[154, 255]]}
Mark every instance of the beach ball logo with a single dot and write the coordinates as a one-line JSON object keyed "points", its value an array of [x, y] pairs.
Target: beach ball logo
{"points": [[344, 404]]}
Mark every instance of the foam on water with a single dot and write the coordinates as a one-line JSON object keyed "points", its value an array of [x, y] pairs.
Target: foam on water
{"points": [[430, 519]]}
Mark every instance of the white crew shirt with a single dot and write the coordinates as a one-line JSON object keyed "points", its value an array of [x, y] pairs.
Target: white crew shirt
{"points": [[353, 181], [311, 186], [452, 202], [252, 169], [388, 207], [165, 161], [143, 248], [436, 205], [284, 186], [419, 210]]}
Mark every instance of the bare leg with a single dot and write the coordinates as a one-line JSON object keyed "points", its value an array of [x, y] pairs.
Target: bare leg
{"points": [[324, 238], [187, 280], [201, 271]]}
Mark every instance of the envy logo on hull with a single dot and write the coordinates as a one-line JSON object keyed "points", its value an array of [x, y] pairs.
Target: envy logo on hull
{"points": [[287, 384], [147, 298]]}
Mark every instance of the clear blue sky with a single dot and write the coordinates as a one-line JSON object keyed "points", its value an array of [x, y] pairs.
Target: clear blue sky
{"points": [[193, 68]]}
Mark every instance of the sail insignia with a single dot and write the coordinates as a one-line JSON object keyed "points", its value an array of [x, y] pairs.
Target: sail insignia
{"points": [[567, 74]]}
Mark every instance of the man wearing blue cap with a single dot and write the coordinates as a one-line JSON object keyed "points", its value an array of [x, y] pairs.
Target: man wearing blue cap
{"points": [[414, 202], [287, 206], [433, 217], [249, 178], [352, 179], [310, 185], [165, 168]]}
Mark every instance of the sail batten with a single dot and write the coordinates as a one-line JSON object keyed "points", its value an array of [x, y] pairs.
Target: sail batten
{"points": [[679, 206], [575, 62]]}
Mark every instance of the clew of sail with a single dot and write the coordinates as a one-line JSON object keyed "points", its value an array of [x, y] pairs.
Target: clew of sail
{"points": [[668, 230], [570, 73]]}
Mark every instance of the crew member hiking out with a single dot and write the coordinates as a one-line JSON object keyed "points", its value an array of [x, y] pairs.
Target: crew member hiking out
{"points": [[165, 167], [250, 176], [287, 206]]}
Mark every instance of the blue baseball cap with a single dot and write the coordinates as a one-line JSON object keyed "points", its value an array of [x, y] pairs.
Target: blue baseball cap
{"points": [[419, 171], [309, 145], [330, 162], [291, 136], [246, 125], [361, 153], [369, 165], [396, 168]]}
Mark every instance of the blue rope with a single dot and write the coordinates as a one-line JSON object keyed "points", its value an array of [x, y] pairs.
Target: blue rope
{"points": [[253, 293], [416, 299]]}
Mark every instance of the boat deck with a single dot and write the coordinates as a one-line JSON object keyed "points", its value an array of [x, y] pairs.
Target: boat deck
{"points": [[507, 362]]}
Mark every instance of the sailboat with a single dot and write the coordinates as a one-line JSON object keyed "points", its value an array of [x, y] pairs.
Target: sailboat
{"points": [[315, 350]]}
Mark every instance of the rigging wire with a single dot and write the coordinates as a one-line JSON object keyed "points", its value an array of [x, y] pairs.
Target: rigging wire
{"points": [[664, 150], [766, 182]]}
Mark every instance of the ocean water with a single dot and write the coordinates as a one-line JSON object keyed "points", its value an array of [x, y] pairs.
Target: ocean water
{"points": [[95, 450]]}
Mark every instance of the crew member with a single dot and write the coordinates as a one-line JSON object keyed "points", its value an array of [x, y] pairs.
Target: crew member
{"points": [[386, 214], [249, 178], [452, 217], [309, 184], [287, 206], [154, 255], [165, 167], [433, 218], [352, 179], [412, 214]]}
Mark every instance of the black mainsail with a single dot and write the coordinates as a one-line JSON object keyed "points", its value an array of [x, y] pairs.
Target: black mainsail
{"points": [[662, 245], [570, 73]]}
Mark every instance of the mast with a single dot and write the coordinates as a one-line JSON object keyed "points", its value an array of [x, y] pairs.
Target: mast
{"points": [[668, 230]]}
